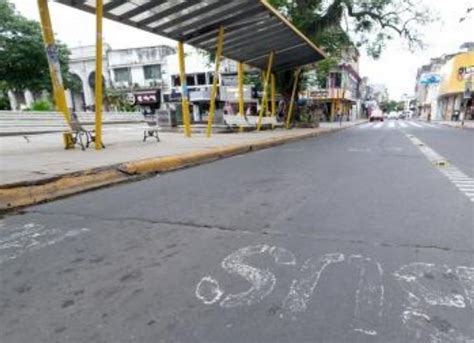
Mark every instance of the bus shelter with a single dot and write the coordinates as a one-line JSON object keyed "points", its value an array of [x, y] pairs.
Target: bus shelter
{"points": [[250, 32]]}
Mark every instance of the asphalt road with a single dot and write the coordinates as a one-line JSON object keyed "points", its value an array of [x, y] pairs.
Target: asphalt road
{"points": [[349, 237]]}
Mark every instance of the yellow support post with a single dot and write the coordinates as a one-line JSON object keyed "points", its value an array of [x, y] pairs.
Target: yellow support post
{"points": [[293, 96], [184, 91], [273, 95], [53, 60], [98, 74], [212, 107], [240, 72], [264, 105]]}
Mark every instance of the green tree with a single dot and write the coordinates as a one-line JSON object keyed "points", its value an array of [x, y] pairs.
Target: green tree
{"points": [[336, 24], [392, 105], [23, 62]]}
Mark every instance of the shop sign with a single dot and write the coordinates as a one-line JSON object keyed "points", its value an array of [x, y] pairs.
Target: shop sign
{"points": [[465, 73], [430, 79], [147, 98]]}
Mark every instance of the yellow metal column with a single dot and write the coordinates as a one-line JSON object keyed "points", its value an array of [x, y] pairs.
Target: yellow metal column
{"points": [[184, 90], [240, 71], [293, 95], [98, 74], [264, 104], [273, 98], [212, 107], [53, 60], [273, 95]]}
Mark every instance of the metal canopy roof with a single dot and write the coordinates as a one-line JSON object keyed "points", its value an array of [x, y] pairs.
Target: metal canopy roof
{"points": [[253, 28]]}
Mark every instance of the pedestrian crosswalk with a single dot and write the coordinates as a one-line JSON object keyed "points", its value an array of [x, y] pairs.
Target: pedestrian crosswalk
{"points": [[399, 124], [463, 182]]}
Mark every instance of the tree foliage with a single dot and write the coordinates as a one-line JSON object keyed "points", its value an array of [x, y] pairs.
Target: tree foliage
{"points": [[23, 62], [336, 24]]}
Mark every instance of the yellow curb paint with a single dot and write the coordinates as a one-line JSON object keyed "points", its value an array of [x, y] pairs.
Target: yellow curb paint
{"points": [[29, 195]]}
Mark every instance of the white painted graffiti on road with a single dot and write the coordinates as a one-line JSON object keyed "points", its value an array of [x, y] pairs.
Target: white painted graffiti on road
{"points": [[426, 285], [16, 241], [262, 281], [370, 295], [432, 284], [302, 289]]}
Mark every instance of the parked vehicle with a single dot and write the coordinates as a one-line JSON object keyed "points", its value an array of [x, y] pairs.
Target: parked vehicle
{"points": [[393, 116], [376, 115]]}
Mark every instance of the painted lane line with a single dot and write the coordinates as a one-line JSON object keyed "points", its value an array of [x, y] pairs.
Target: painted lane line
{"points": [[415, 125], [391, 125], [378, 126], [459, 179], [403, 125]]}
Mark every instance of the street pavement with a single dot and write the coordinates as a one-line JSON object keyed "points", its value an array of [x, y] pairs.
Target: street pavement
{"points": [[354, 236]]}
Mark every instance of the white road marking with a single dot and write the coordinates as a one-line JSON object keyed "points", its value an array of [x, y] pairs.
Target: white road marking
{"points": [[370, 294], [302, 289], [466, 277], [391, 125], [378, 125], [366, 126], [208, 290], [402, 124], [454, 174], [283, 256], [425, 329], [415, 124], [262, 281], [31, 237], [431, 284]]}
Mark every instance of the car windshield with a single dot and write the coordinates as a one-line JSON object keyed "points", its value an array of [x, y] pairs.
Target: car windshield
{"points": [[240, 171]]}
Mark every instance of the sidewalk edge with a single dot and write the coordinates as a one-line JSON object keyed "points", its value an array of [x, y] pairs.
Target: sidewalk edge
{"points": [[15, 196]]}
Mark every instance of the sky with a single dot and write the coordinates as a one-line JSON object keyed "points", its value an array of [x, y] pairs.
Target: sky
{"points": [[396, 68]]}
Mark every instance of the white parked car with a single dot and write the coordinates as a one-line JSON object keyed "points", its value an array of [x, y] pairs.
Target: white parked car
{"points": [[393, 116]]}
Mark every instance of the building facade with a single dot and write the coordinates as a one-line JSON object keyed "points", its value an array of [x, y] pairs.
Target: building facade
{"points": [[441, 86], [339, 93]]}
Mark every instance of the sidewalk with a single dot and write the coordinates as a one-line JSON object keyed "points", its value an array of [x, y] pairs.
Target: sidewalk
{"points": [[468, 124], [35, 157]]}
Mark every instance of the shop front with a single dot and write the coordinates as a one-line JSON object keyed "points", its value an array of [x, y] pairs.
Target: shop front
{"points": [[334, 102], [456, 96]]}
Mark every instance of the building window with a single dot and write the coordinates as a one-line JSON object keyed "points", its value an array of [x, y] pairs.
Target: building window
{"points": [[201, 79], [335, 80], [152, 72], [176, 81], [122, 75], [211, 78], [190, 81]]}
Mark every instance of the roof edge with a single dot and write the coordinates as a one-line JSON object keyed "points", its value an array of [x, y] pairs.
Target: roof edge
{"points": [[292, 27]]}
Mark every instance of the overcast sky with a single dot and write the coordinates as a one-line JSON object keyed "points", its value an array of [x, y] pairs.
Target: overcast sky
{"points": [[396, 68]]}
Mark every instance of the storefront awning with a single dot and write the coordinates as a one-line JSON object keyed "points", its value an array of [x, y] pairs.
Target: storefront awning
{"points": [[253, 28]]}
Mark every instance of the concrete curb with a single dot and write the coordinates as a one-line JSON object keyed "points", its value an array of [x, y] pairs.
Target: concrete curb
{"points": [[14, 196], [459, 127]]}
